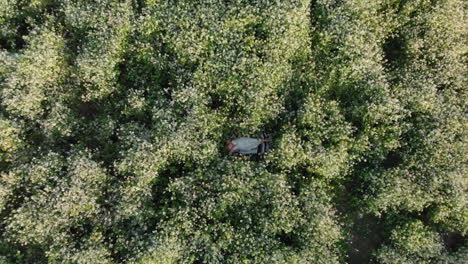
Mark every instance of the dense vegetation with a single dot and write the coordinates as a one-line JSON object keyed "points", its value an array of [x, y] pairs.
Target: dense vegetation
{"points": [[114, 114]]}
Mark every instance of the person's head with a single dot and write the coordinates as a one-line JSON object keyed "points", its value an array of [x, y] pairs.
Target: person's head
{"points": [[229, 145]]}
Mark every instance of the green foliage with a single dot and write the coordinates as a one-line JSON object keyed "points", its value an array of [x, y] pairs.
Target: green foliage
{"points": [[412, 242], [102, 49], [409, 243], [114, 115], [249, 215], [10, 140], [38, 80], [318, 142]]}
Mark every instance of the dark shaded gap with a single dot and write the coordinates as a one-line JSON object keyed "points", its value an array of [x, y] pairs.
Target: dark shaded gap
{"points": [[394, 52], [5, 44], [453, 241], [23, 30], [289, 239], [80, 232], [392, 160], [16, 42], [16, 253], [367, 234], [88, 110], [216, 101]]}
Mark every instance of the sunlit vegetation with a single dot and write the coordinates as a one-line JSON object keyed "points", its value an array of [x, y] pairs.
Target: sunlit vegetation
{"points": [[114, 116]]}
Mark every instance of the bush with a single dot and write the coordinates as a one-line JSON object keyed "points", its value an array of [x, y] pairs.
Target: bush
{"points": [[114, 116]]}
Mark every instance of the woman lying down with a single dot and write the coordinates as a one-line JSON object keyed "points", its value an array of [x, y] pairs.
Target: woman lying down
{"points": [[245, 145]]}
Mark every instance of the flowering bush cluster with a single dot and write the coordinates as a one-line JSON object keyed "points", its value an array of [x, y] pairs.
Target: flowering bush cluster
{"points": [[114, 114]]}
